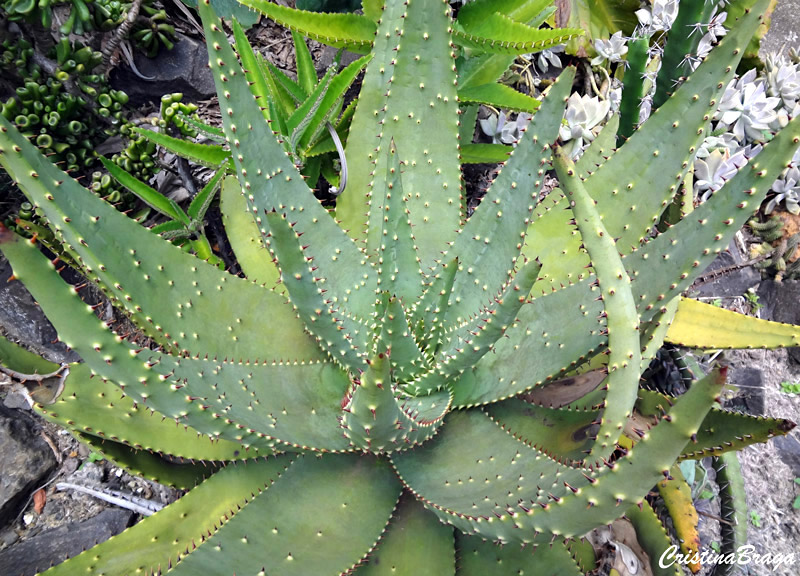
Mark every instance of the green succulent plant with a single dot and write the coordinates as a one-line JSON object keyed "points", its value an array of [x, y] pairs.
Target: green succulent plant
{"points": [[384, 393]]}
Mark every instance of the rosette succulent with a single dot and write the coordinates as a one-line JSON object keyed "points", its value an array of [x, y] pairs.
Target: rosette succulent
{"points": [[385, 393]]}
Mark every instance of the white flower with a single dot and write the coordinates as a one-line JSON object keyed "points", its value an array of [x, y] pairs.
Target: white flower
{"points": [[502, 130], [662, 17], [583, 114], [703, 48], [787, 190], [715, 25], [746, 108], [612, 49], [717, 168]]}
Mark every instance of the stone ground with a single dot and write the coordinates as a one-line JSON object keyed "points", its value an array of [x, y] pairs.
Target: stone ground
{"points": [[69, 521]]}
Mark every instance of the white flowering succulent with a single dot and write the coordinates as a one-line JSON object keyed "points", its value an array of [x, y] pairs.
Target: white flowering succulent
{"points": [[783, 81], [502, 130], [715, 169], [787, 190], [547, 58], [661, 18], [612, 49], [746, 109], [584, 113]]}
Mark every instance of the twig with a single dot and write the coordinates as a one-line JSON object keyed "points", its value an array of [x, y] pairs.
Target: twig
{"points": [[32, 377], [127, 501], [715, 517], [120, 34]]}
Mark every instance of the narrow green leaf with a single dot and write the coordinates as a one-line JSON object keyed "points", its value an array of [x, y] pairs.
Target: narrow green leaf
{"points": [[200, 203], [148, 195], [499, 96], [210, 155]]}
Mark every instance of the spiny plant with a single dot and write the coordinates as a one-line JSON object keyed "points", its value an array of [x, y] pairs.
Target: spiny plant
{"points": [[384, 393]]}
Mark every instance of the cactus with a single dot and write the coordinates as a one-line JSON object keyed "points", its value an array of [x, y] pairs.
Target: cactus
{"points": [[379, 394]]}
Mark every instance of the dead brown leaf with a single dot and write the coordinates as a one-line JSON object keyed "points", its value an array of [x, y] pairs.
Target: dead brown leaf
{"points": [[39, 500]]}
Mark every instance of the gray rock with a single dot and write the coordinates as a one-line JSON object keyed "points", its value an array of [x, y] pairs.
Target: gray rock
{"points": [[26, 459], [23, 321], [54, 546], [789, 449], [750, 381], [182, 69], [780, 303], [783, 31]]}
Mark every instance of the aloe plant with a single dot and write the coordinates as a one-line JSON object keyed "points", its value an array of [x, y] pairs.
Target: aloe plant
{"points": [[384, 393]]}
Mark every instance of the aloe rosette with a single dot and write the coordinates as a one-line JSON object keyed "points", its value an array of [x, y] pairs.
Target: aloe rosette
{"points": [[384, 393]]}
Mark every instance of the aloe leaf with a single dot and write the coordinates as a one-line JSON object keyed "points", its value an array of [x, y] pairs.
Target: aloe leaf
{"points": [[631, 206], [343, 337], [478, 557], [295, 527], [491, 240], [398, 263], [374, 418], [721, 431], [91, 406], [182, 475], [701, 325], [622, 322], [259, 79], [660, 270], [531, 498], [332, 98], [289, 87], [148, 195], [172, 532], [155, 268], [652, 537], [601, 148], [185, 388], [563, 434], [271, 181], [679, 505], [245, 237], [412, 528], [210, 155], [306, 72], [420, 116], [464, 346], [352, 32]]}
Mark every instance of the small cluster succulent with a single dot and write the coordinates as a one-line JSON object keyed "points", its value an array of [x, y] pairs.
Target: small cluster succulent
{"points": [[584, 118], [152, 31], [395, 388], [67, 113], [778, 253], [503, 130]]}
